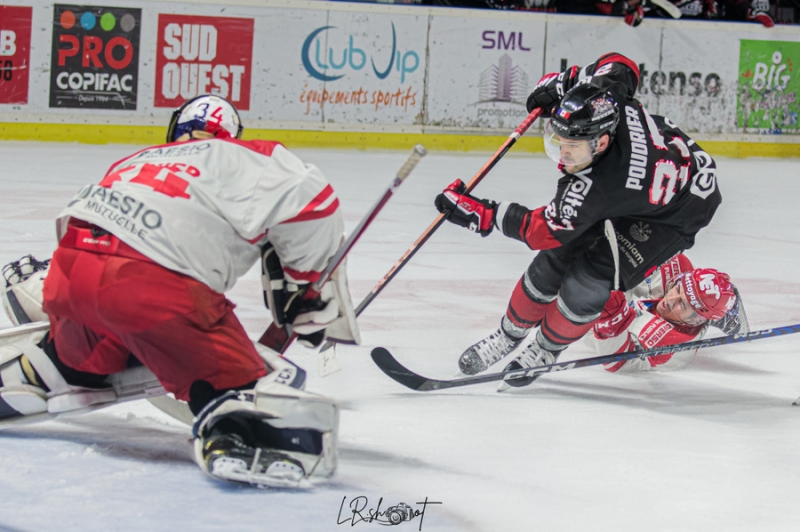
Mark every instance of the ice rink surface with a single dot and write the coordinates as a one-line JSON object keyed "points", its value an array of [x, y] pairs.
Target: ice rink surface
{"points": [[715, 446]]}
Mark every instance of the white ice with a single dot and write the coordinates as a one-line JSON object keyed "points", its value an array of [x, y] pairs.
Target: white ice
{"points": [[713, 447]]}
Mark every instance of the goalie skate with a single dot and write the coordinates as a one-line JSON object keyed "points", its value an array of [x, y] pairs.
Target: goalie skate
{"points": [[228, 458]]}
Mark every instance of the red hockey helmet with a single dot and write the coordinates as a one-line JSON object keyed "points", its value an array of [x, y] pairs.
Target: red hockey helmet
{"points": [[709, 292]]}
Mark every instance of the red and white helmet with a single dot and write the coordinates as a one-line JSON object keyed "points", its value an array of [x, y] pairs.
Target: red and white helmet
{"points": [[207, 112], [709, 292]]}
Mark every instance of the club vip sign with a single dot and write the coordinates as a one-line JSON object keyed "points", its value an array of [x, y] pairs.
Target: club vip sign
{"points": [[769, 86], [15, 45], [95, 59], [201, 55]]}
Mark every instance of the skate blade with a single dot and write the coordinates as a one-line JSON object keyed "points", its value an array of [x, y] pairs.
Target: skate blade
{"points": [[277, 475]]}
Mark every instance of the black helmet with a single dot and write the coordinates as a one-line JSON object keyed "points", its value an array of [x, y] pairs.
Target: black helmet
{"points": [[585, 113]]}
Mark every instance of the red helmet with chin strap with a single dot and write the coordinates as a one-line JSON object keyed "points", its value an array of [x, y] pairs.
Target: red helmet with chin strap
{"points": [[709, 292]]}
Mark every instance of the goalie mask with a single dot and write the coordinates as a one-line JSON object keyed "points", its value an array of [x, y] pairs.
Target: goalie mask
{"points": [[572, 135], [208, 113]]}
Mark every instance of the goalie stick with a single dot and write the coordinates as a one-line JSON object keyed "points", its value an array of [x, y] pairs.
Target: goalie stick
{"points": [[410, 252], [280, 338], [396, 371]]}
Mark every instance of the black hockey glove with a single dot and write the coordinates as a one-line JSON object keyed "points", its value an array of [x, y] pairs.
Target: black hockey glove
{"points": [[550, 90], [475, 214]]}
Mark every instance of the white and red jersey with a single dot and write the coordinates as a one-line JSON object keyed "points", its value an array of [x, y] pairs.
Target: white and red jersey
{"points": [[203, 207], [648, 329]]}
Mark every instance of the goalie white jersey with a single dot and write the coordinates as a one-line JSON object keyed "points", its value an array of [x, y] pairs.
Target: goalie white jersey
{"points": [[234, 194]]}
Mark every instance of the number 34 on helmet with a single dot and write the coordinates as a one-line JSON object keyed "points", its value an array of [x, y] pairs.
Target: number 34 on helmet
{"points": [[209, 113]]}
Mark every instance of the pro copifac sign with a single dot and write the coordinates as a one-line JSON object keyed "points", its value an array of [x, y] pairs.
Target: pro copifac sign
{"points": [[95, 60], [200, 55]]}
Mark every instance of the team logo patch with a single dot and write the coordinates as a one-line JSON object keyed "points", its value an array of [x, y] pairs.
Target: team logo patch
{"points": [[601, 107], [641, 231]]}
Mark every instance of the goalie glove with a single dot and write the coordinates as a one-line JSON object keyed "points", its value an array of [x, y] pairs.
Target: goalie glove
{"points": [[329, 315], [464, 210]]}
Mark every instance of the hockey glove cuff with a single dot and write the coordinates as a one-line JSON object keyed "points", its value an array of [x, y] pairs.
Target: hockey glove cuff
{"points": [[475, 214]]}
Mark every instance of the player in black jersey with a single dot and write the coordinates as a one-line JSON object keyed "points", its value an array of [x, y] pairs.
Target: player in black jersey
{"points": [[635, 191]]}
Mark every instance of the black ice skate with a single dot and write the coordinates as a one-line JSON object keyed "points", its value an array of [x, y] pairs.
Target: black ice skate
{"points": [[532, 356], [483, 354], [229, 458]]}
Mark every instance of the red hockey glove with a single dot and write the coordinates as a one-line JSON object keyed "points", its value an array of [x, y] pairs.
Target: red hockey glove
{"points": [[634, 15], [615, 318], [475, 214], [550, 90]]}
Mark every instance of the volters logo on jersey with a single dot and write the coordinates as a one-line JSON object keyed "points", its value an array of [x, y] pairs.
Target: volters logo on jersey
{"points": [[95, 57], [561, 218], [350, 55], [15, 46], [203, 55]]}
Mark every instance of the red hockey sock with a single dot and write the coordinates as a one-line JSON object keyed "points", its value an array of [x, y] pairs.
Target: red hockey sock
{"points": [[560, 331], [523, 311]]}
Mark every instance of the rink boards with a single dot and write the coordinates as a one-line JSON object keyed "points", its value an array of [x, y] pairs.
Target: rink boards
{"points": [[375, 76]]}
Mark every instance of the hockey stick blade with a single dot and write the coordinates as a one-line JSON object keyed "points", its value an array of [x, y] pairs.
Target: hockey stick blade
{"points": [[399, 373]]}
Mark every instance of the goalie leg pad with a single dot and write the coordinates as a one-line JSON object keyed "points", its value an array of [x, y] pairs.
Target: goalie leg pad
{"points": [[32, 385], [271, 435]]}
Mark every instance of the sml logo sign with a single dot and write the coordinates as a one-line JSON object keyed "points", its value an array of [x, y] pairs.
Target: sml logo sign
{"points": [[354, 58], [504, 82]]}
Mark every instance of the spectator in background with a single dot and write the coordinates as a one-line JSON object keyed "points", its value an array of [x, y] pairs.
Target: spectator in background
{"points": [[751, 10], [632, 11]]}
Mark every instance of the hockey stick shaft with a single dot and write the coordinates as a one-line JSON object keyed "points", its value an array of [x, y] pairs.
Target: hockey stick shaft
{"points": [[418, 243], [668, 7], [279, 338], [389, 365]]}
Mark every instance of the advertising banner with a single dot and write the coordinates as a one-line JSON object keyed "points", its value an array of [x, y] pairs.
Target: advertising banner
{"points": [[371, 68], [481, 71], [15, 48], [199, 55], [95, 57], [767, 99], [699, 95]]}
